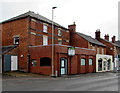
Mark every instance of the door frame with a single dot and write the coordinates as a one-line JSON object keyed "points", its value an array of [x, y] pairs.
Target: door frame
{"points": [[16, 63], [65, 65], [10, 62]]}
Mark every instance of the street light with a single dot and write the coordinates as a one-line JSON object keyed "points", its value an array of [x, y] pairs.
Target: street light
{"points": [[53, 41]]}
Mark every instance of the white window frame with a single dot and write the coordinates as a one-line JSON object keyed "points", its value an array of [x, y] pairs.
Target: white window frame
{"points": [[14, 41], [45, 28], [59, 32], [83, 62], [45, 40], [102, 50], [90, 61], [98, 50]]}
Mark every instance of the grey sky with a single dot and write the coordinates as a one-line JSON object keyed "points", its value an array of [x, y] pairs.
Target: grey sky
{"points": [[89, 15]]}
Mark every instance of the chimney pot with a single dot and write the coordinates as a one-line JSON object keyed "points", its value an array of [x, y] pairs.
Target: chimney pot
{"points": [[97, 34], [106, 37], [113, 39]]}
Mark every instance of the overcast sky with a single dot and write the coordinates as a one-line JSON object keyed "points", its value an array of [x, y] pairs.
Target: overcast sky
{"points": [[89, 15]]}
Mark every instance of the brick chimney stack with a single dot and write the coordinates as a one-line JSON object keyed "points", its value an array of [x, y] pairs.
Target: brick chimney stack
{"points": [[72, 27], [106, 37], [97, 34], [113, 39]]}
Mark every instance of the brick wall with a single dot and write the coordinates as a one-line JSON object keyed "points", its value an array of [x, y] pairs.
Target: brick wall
{"points": [[62, 52], [37, 27], [19, 28], [109, 47]]}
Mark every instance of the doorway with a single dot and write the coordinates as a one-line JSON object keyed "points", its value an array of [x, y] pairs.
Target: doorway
{"points": [[14, 63], [100, 64], [10, 63], [63, 66]]}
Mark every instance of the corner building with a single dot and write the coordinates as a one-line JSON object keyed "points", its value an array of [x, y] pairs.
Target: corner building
{"points": [[27, 38]]}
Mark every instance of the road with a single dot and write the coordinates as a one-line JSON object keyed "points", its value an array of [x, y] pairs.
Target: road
{"points": [[108, 82]]}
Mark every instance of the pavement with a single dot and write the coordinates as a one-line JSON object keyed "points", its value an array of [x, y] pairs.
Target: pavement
{"points": [[17, 74]]}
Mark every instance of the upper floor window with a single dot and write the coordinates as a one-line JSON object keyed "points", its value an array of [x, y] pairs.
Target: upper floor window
{"points": [[59, 32], [93, 47], [45, 40], [83, 62], [102, 50], [60, 41], [45, 28], [98, 51], [16, 40]]}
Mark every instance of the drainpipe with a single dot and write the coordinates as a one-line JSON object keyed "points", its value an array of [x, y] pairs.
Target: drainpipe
{"points": [[28, 62]]}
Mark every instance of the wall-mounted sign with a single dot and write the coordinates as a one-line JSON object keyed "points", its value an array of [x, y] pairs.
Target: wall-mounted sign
{"points": [[71, 51]]}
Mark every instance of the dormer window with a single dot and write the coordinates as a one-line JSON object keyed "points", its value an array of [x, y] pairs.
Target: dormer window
{"points": [[16, 40], [45, 28], [59, 32]]}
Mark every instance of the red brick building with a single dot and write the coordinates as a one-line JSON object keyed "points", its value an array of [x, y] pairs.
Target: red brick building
{"points": [[112, 48], [30, 33], [85, 41]]}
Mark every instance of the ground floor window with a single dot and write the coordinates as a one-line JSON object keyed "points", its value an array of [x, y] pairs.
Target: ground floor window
{"points": [[90, 61], [109, 61], [83, 62], [100, 64], [34, 62], [45, 61], [104, 65]]}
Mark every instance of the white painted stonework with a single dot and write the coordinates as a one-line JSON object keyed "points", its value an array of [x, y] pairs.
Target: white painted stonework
{"points": [[104, 63]]}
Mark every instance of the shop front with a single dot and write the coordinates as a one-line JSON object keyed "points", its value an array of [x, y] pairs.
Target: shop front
{"points": [[104, 63]]}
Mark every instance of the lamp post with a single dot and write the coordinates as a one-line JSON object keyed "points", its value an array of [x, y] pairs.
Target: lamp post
{"points": [[53, 42]]}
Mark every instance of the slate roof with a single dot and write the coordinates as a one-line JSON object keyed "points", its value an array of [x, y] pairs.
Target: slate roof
{"points": [[90, 39], [6, 49], [33, 15], [111, 42], [117, 42]]}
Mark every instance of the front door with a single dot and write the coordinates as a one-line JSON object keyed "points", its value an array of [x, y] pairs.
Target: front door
{"points": [[63, 66], [14, 63], [7, 62]]}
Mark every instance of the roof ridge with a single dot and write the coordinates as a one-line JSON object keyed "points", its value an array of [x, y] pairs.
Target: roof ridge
{"points": [[34, 15], [90, 39]]}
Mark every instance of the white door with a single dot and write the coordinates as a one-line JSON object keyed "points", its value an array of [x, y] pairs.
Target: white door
{"points": [[14, 63]]}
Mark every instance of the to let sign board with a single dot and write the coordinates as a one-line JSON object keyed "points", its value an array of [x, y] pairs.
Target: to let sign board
{"points": [[71, 51]]}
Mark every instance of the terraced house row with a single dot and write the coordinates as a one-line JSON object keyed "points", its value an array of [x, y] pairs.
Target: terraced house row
{"points": [[27, 46]]}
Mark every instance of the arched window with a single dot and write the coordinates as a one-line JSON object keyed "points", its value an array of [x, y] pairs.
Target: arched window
{"points": [[45, 61], [83, 62], [99, 64], [90, 61]]}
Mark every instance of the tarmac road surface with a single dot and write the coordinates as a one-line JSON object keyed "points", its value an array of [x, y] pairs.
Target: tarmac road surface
{"points": [[106, 82]]}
